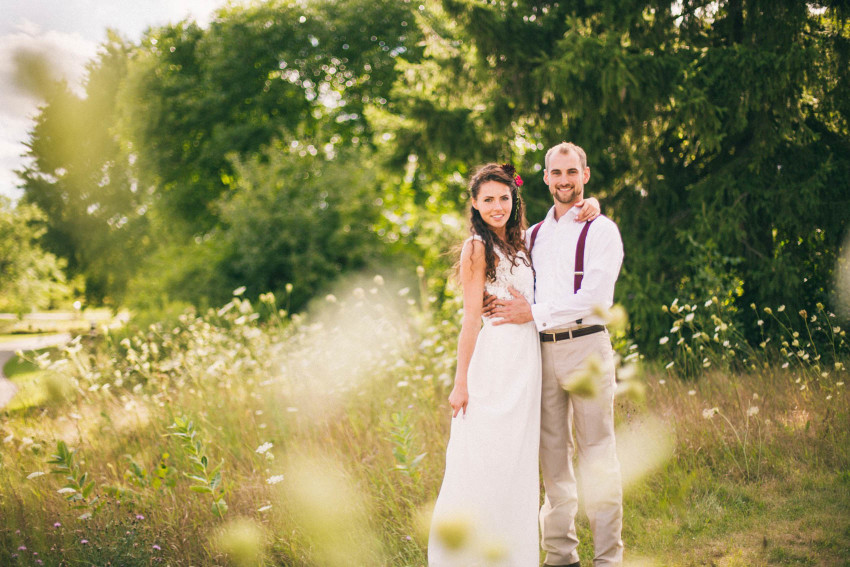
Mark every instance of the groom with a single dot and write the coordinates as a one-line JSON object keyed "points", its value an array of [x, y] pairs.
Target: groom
{"points": [[576, 267]]}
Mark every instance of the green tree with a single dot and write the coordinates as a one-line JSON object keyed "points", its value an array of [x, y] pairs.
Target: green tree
{"points": [[30, 278], [80, 176], [285, 69], [296, 214], [709, 127]]}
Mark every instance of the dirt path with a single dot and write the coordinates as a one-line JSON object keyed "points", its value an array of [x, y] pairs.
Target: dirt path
{"points": [[7, 351]]}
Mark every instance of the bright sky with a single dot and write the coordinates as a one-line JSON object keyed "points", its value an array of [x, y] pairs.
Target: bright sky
{"points": [[68, 33]]}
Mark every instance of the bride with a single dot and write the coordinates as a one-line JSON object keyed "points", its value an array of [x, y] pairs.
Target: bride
{"points": [[486, 513]]}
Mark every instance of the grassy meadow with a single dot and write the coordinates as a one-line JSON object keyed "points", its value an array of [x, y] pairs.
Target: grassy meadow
{"points": [[246, 436]]}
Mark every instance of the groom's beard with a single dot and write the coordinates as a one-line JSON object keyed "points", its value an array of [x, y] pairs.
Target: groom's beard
{"points": [[567, 195]]}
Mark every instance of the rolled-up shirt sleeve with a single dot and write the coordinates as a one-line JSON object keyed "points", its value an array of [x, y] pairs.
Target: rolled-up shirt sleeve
{"points": [[603, 257]]}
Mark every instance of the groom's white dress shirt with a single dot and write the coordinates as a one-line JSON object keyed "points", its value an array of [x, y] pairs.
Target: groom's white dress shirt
{"points": [[556, 306]]}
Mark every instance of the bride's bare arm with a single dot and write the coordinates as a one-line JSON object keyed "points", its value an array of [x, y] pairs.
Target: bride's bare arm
{"points": [[472, 278]]}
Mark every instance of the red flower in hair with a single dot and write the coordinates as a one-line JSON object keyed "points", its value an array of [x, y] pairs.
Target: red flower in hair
{"points": [[511, 170]]}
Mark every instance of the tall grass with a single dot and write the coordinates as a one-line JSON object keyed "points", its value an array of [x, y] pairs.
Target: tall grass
{"points": [[247, 436]]}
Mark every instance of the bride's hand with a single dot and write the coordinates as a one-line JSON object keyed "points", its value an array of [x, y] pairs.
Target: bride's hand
{"points": [[459, 399], [589, 209]]}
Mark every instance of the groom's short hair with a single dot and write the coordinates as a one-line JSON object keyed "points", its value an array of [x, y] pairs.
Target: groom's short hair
{"points": [[565, 148]]}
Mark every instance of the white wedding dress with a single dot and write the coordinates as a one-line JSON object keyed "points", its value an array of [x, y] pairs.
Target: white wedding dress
{"points": [[486, 513]]}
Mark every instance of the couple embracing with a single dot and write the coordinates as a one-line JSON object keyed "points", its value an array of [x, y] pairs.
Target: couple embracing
{"points": [[536, 292]]}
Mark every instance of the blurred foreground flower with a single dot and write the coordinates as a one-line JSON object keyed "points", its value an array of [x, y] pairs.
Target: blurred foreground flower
{"points": [[243, 541], [331, 512], [615, 318], [584, 381], [643, 447], [454, 532]]}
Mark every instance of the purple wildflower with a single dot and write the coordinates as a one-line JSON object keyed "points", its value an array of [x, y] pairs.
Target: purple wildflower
{"points": [[84, 541], [22, 548], [139, 517], [57, 524], [156, 547]]}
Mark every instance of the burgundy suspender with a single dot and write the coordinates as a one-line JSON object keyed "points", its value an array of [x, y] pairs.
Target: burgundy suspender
{"points": [[579, 263], [534, 230], [579, 267]]}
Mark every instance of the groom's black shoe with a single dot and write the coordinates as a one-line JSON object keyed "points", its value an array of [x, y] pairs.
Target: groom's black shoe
{"points": [[576, 564]]}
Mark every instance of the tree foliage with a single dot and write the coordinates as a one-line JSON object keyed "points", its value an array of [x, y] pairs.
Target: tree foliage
{"points": [[717, 133], [30, 278], [80, 177]]}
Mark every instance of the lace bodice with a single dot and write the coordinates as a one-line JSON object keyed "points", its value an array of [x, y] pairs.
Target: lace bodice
{"points": [[519, 276]]}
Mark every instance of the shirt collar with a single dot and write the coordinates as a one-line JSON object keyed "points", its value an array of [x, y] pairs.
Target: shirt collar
{"points": [[570, 215]]}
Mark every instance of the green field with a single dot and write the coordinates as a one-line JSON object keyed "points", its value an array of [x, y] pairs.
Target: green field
{"points": [[240, 437]]}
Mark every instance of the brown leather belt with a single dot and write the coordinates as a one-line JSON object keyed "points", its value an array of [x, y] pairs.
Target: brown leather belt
{"points": [[571, 334]]}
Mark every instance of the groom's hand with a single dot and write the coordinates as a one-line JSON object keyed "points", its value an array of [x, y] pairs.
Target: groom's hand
{"points": [[515, 311]]}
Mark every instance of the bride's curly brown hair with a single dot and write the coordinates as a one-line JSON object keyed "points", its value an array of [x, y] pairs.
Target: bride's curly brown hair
{"points": [[514, 242]]}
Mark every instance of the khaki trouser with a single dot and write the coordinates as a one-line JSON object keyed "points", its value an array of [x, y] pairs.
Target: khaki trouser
{"points": [[598, 467]]}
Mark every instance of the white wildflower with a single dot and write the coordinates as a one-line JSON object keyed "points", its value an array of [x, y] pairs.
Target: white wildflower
{"points": [[709, 413], [752, 411], [689, 317], [264, 447], [35, 474], [274, 479], [663, 340]]}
